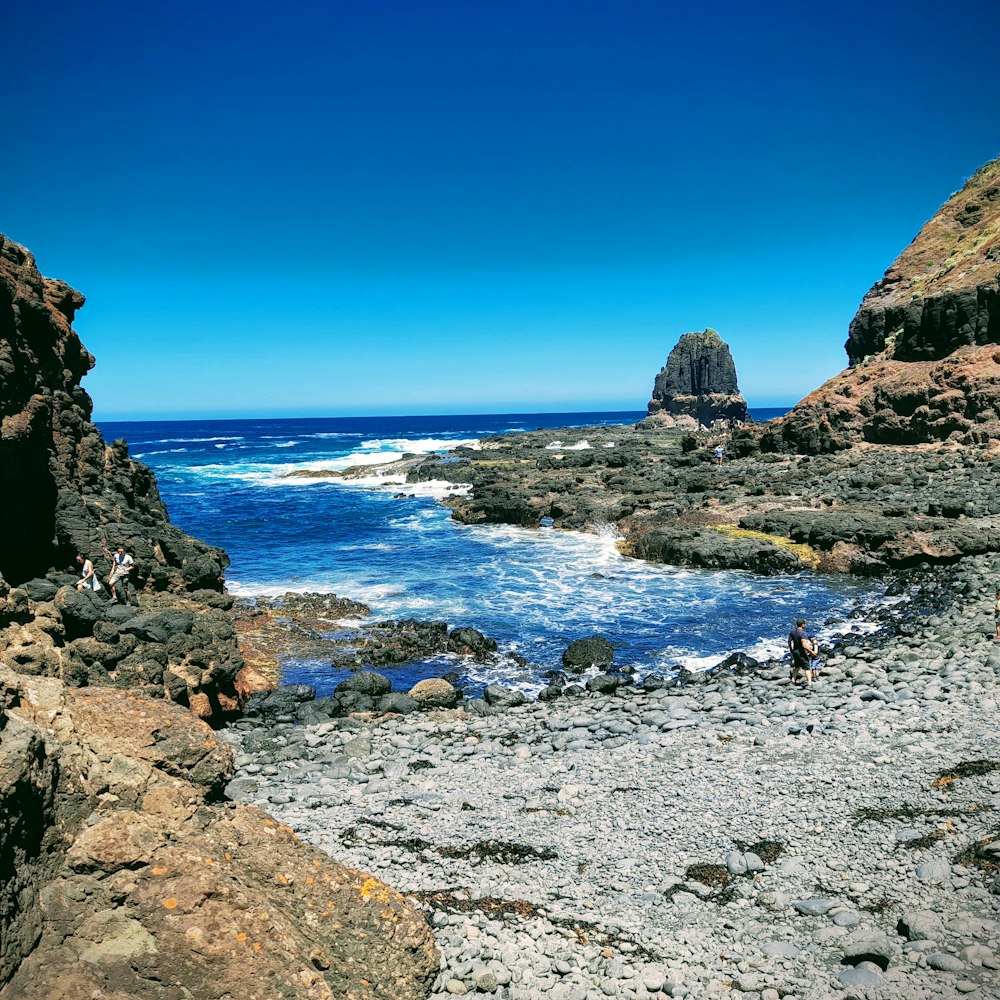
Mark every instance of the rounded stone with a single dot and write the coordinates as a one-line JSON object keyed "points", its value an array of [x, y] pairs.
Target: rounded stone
{"points": [[486, 982], [434, 692]]}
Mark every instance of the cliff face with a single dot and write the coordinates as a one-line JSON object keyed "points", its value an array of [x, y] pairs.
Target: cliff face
{"points": [[924, 364], [65, 491], [697, 385], [125, 873]]}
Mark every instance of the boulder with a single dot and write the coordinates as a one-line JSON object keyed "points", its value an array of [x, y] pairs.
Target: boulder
{"points": [[471, 642], [605, 683], [366, 682], [501, 697], [80, 610], [401, 704], [434, 693], [592, 651], [155, 883]]}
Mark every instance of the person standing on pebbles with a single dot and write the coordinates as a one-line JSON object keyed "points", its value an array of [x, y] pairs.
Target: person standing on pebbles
{"points": [[804, 650]]}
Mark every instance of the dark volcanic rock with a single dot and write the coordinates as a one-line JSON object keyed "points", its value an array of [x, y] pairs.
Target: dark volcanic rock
{"points": [[66, 491], [698, 385], [501, 697], [366, 682], [924, 363], [471, 642], [593, 651]]}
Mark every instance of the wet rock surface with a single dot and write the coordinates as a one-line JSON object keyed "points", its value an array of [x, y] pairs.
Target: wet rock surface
{"points": [[734, 835], [867, 510]]}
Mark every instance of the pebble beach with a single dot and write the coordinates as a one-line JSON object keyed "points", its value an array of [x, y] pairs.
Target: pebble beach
{"points": [[734, 835]]}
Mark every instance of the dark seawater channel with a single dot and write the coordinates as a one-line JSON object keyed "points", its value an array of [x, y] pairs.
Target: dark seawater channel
{"points": [[532, 591]]}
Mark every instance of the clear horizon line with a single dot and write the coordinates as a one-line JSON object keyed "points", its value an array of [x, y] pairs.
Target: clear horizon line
{"points": [[166, 418]]}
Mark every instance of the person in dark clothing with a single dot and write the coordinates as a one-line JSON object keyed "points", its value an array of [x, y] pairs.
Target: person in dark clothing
{"points": [[804, 650]]}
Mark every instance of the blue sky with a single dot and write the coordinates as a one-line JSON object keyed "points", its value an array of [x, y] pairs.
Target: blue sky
{"points": [[455, 206]]}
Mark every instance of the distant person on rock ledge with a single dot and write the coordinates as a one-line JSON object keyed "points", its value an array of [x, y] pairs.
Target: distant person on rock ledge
{"points": [[803, 651], [720, 453], [121, 565], [996, 616], [88, 578]]}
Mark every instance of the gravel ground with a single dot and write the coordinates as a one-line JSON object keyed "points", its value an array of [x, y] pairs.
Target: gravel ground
{"points": [[736, 836]]}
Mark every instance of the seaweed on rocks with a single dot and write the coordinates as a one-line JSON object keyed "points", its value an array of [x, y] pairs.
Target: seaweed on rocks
{"points": [[965, 769], [927, 840], [881, 905], [462, 900], [976, 855], [708, 874], [502, 852], [767, 850], [868, 814]]}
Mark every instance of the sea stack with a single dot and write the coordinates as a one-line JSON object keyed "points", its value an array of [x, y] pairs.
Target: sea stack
{"points": [[922, 350], [697, 386]]}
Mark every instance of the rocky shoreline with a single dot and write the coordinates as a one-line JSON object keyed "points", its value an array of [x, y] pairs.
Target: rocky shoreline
{"points": [[731, 835]]}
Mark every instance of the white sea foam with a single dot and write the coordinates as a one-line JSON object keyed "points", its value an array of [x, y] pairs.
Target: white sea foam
{"points": [[438, 489], [285, 444], [416, 446], [582, 445], [202, 440], [162, 451], [378, 451]]}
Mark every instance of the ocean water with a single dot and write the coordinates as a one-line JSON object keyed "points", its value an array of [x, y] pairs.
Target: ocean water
{"points": [[531, 590]]}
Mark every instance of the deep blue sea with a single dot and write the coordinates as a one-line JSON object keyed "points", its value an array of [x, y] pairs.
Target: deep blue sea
{"points": [[531, 590]]}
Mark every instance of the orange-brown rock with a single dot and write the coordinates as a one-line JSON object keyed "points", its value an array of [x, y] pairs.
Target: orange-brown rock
{"points": [[145, 884], [923, 348], [67, 492]]}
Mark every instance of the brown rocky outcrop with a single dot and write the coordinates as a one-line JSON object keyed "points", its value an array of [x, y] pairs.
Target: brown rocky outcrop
{"points": [[697, 386], [923, 347], [63, 491], [126, 875]]}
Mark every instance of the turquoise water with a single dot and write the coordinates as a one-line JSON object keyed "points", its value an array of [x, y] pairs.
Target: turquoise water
{"points": [[531, 590]]}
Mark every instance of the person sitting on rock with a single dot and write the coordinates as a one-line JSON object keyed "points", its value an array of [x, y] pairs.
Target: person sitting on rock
{"points": [[803, 651], [88, 578], [121, 565]]}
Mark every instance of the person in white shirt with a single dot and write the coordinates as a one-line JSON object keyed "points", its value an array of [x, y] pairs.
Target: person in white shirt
{"points": [[88, 578], [121, 565]]}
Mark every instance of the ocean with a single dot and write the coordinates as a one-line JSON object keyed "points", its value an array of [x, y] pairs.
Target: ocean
{"points": [[532, 590]]}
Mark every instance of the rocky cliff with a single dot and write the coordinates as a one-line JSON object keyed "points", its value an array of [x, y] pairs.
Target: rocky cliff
{"points": [[124, 872], [923, 347], [66, 491], [697, 385]]}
